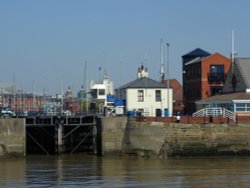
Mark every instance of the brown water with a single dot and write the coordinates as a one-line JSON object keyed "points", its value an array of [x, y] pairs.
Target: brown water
{"points": [[89, 171]]}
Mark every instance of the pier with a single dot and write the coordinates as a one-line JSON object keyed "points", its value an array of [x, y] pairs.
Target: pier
{"points": [[60, 134]]}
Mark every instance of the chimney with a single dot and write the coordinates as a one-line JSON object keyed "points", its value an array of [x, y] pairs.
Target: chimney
{"points": [[142, 72]]}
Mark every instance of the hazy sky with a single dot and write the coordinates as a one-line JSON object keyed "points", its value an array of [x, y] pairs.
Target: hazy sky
{"points": [[46, 41]]}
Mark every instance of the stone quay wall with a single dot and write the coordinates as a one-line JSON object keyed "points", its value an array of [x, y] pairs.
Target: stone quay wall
{"points": [[147, 139], [12, 137]]}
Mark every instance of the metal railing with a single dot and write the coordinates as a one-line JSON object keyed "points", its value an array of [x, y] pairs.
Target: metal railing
{"points": [[213, 112]]}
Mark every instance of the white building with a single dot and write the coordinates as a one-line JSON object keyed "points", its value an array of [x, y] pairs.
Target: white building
{"points": [[99, 92], [147, 96]]}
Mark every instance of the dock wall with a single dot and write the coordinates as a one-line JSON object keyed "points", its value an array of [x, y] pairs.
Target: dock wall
{"points": [[12, 137], [159, 139], [113, 132]]}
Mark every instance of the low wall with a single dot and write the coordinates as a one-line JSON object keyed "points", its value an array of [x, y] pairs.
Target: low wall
{"points": [[12, 137], [160, 139]]}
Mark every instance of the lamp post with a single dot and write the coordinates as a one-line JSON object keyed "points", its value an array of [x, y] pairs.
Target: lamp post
{"points": [[168, 104]]}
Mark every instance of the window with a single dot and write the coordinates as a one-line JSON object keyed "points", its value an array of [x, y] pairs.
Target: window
{"points": [[217, 69], [101, 91], [215, 90], [140, 96], [216, 73], [94, 93], [243, 107], [158, 95]]}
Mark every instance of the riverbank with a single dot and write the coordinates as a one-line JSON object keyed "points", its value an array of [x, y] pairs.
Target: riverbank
{"points": [[157, 139], [128, 137]]}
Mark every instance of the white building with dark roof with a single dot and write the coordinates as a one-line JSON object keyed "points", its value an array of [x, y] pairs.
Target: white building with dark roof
{"points": [[147, 96]]}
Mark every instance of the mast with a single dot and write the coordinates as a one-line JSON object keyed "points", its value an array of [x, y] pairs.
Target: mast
{"points": [[233, 53], [85, 77], [168, 84], [14, 93], [162, 61], [62, 97], [234, 79], [86, 85]]}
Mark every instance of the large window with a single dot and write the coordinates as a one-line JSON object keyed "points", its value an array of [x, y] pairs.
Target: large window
{"points": [[217, 69], [158, 95], [216, 74], [140, 96], [242, 107]]}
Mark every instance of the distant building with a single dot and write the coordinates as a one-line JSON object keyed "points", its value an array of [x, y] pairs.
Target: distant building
{"points": [[99, 92], [83, 101], [82, 94], [19, 101], [203, 76], [71, 102], [146, 96]]}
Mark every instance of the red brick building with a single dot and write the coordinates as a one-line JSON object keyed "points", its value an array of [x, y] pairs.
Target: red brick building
{"points": [[203, 76], [21, 102]]}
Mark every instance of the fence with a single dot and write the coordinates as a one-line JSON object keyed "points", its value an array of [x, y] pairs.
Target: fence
{"points": [[196, 120]]}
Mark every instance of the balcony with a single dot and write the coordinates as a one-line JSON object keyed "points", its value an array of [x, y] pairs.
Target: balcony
{"points": [[216, 78]]}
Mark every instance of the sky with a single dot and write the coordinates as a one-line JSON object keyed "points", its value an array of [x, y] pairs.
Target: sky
{"points": [[45, 44]]}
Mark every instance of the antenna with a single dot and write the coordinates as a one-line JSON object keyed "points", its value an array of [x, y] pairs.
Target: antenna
{"points": [[162, 61]]}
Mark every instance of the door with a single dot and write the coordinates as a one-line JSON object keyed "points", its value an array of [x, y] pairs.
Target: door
{"points": [[158, 112], [166, 112]]}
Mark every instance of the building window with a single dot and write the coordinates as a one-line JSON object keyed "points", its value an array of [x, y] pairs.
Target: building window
{"points": [[101, 91], [94, 93], [217, 69], [215, 90], [158, 95], [216, 74], [140, 96], [242, 107]]}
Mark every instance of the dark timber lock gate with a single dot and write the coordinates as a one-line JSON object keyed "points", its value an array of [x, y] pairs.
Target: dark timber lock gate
{"points": [[57, 135]]}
